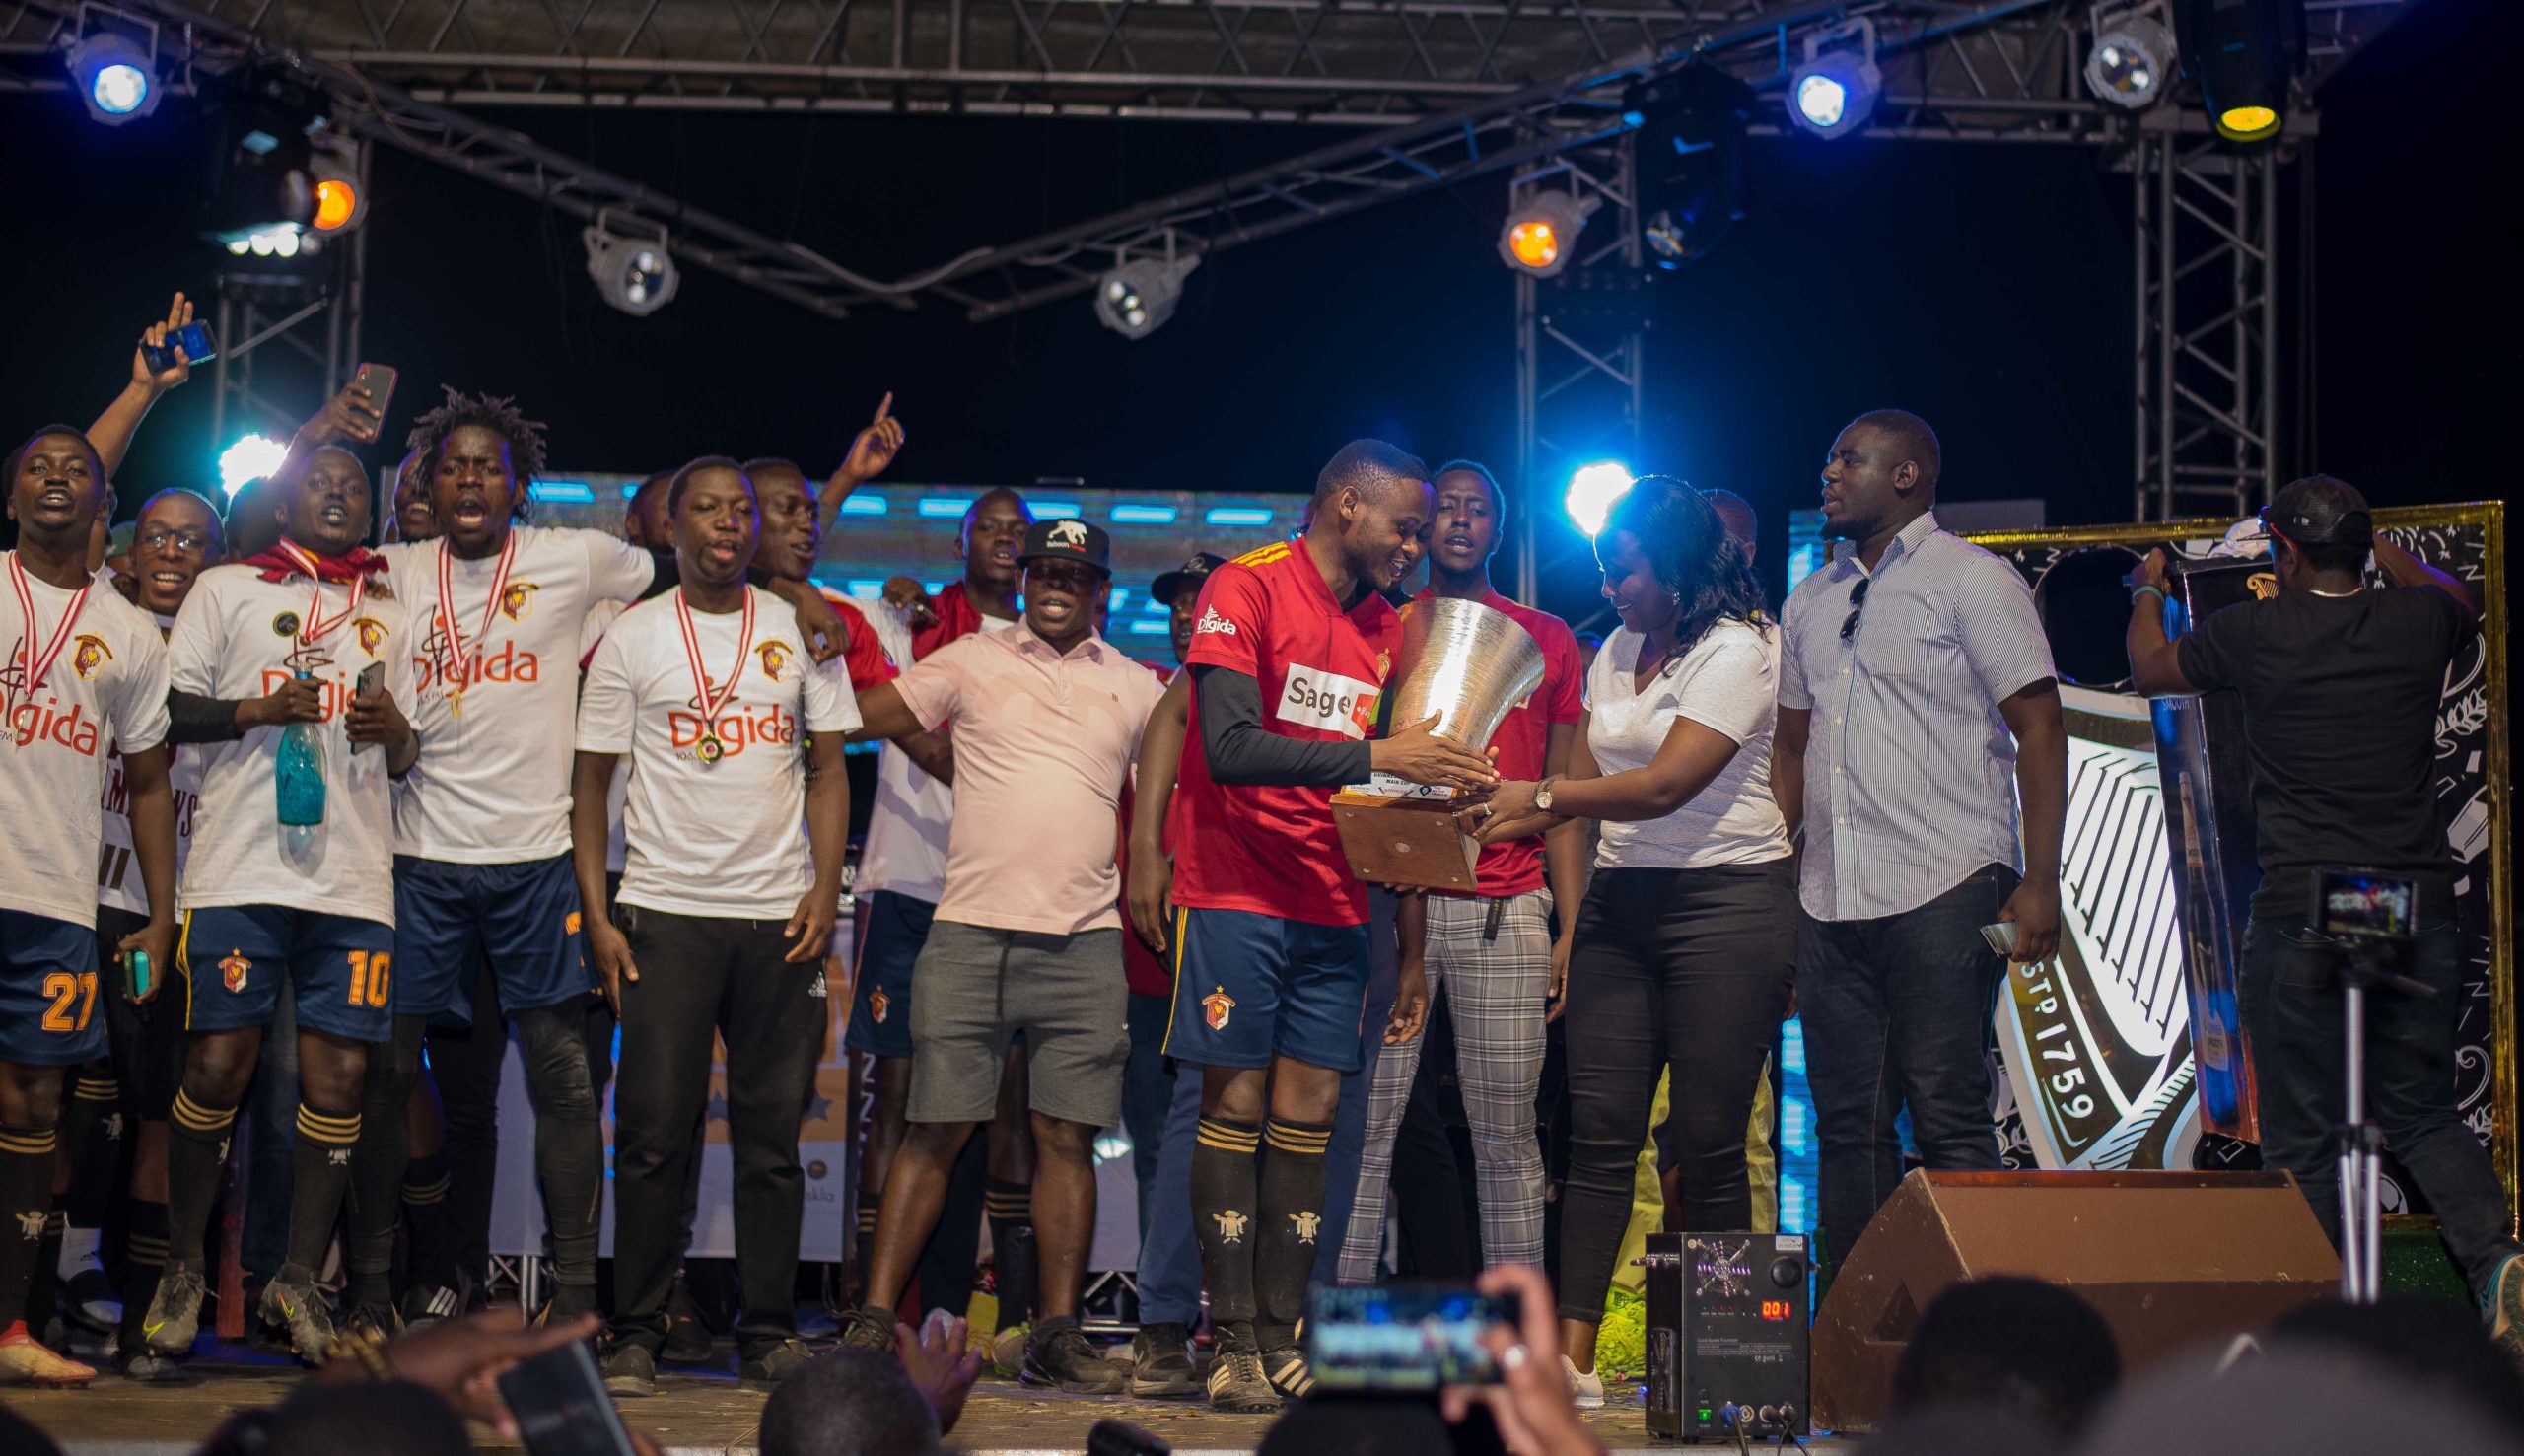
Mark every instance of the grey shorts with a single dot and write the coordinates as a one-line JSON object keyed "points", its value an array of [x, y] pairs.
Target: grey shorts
{"points": [[979, 987]]}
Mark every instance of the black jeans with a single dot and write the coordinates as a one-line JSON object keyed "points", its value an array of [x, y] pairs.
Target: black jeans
{"points": [[1686, 970], [1896, 1012], [2293, 1013], [699, 974]]}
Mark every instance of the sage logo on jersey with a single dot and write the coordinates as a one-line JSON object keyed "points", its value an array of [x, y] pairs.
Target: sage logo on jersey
{"points": [[1211, 621], [735, 728], [45, 723], [1328, 701]]}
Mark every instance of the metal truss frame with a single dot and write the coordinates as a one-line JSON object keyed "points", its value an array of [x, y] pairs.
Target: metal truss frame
{"points": [[2205, 297]]}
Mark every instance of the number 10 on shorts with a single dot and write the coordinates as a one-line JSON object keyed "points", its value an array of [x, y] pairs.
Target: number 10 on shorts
{"points": [[371, 983]]}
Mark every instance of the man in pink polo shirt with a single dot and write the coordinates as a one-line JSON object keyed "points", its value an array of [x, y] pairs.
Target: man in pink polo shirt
{"points": [[1028, 935]]}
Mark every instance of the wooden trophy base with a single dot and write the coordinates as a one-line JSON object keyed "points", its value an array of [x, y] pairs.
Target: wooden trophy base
{"points": [[1410, 844]]}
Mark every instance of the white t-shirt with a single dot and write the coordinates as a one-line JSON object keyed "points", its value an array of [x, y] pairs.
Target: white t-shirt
{"points": [[118, 882], [600, 617], [713, 839], [238, 636], [1728, 682], [107, 687], [905, 850], [492, 784]]}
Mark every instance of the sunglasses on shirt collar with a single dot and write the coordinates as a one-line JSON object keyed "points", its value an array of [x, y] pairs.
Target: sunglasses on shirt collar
{"points": [[1858, 603]]}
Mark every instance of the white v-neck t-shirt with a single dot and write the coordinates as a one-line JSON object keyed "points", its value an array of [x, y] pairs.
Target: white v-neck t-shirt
{"points": [[1726, 682]]}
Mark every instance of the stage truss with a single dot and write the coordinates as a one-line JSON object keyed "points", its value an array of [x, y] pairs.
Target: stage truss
{"points": [[1442, 91]]}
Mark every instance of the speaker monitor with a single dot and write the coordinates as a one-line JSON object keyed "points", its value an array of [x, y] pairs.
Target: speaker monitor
{"points": [[2169, 1259]]}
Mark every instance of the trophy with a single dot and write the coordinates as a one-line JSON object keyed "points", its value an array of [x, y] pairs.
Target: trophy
{"points": [[1471, 665]]}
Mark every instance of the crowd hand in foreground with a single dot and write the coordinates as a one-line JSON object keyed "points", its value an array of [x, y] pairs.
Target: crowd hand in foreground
{"points": [[461, 1360], [940, 1363], [911, 599], [1531, 1402]]}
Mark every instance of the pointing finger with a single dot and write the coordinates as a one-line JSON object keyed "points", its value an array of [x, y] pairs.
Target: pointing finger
{"points": [[884, 406]]}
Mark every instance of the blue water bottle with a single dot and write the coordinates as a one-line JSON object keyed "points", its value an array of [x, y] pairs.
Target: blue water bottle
{"points": [[298, 771]]}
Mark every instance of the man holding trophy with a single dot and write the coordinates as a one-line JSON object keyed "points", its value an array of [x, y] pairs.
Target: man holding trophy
{"points": [[1289, 660]]}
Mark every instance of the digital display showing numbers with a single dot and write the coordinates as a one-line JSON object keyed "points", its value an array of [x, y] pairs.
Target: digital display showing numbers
{"points": [[1775, 1309]]}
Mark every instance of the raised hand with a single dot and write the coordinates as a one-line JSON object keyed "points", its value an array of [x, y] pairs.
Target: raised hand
{"points": [[350, 415], [874, 448], [160, 380]]}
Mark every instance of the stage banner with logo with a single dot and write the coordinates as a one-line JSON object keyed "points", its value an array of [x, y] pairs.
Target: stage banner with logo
{"points": [[2100, 1045]]}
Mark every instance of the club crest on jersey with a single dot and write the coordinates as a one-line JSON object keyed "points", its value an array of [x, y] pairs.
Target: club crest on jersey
{"points": [[775, 656], [878, 1002], [371, 632], [1217, 1007], [518, 600], [569, 924], [232, 971], [284, 625], [92, 655], [1211, 621], [1069, 535]]}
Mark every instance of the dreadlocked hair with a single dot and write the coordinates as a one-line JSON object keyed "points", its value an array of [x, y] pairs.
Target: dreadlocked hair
{"points": [[500, 416]]}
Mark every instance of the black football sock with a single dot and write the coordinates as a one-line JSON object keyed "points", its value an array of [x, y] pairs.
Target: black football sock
{"points": [[1009, 1208], [376, 1177], [424, 1214], [1223, 1216], [319, 1178], [866, 1230], [196, 1146], [1292, 1217], [26, 1198], [144, 1254], [92, 1135]]}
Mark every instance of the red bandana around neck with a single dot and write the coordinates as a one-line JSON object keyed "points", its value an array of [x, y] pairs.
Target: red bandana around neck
{"points": [[288, 559]]}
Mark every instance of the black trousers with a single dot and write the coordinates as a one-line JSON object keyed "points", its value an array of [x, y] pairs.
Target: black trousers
{"points": [[1681, 969], [700, 974]]}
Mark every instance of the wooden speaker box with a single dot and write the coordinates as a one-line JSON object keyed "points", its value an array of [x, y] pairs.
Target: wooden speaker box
{"points": [[2169, 1259]]}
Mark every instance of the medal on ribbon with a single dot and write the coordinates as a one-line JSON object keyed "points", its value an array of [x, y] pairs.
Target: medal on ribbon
{"points": [[35, 664], [711, 748], [459, 664]]}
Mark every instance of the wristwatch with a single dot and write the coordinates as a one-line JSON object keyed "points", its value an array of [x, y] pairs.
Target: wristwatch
{"points": [[1542, 794]]}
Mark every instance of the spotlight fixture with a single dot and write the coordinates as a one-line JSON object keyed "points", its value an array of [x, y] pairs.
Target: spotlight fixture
{"points": [[2244, 53], [1540, 234], [1835, 91], [261, 160], [1137, 297], [1690, 159], [1592, 489], [341, 193], [247, 460], [2132, 59], [636, 275], [114, 74]]}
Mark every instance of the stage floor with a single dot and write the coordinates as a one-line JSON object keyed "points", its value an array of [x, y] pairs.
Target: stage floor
{"points": [[693, 1414]]}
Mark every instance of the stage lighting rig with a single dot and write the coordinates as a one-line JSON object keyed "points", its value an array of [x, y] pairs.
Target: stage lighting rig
{"points": [[2244, 53], [341, 192], [1592, 489], [1137, 297], [636, 275], [2132, 62], [1540, 234], [1690, 159], [113, 71], [1836, 90], [261, 167]]}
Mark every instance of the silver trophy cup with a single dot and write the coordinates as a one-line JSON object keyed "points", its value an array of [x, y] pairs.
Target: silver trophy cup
{"points": [[1468, 663]]}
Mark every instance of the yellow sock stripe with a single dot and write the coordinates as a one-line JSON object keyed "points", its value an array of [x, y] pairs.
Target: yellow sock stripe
{"points": [[338, 1131], [867, 1219], [1008, 1205], [431, 1192], [1289, 1139], [97, 1090], [1227, 1136], [57, 1222], [26, 1142], [193, 1117]]}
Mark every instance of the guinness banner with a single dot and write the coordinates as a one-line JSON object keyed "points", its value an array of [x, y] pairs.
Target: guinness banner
{"points": [[2123, 1051]]}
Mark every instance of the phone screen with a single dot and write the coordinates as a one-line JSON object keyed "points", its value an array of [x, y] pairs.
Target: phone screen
{"points": [[2362, 902], [1402, 1335], [194, 338], [561, 1406]]}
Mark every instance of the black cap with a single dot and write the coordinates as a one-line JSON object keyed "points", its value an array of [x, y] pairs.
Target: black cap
{"points": [[1185, 578], [2320, 510], [1066, 539]]}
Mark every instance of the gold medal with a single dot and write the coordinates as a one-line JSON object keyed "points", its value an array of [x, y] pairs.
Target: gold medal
{"points": [[710, 750], [455, 705]]}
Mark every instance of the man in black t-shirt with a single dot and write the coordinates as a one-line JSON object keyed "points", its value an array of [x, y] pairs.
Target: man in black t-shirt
{"points": [[2341, 683]]}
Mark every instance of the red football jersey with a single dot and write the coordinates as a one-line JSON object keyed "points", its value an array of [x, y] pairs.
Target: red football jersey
{"points": [[1272, 849], [1523, 740], [865, 655], [956, 617]]}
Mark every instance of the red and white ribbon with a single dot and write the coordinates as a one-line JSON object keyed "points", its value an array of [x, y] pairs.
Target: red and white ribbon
{"points": [[711, 706], [460, 662], [312, 630], [37, 663]]}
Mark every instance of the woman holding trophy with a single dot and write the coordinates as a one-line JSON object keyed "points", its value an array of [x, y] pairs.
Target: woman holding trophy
{"points": [[1687, 936]]}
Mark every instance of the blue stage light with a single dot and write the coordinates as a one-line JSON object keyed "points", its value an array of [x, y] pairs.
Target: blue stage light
{"points": [[575, 492], [1143, 515], [114, 75], [1239, 515], [1592, 489], [247, 460], [1835, 92], [943, 508], [863, 505]]}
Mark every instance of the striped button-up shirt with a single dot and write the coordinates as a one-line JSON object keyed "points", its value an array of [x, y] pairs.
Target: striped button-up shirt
{"points": [[1909, 767]]}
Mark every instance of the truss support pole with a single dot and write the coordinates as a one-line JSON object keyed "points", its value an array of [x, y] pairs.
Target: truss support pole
{"points": [[2206, 296], [289, 337], [1581, 343]]}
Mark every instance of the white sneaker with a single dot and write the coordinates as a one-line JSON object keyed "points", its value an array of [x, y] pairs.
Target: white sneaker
{"points": [[1586, 1385]]}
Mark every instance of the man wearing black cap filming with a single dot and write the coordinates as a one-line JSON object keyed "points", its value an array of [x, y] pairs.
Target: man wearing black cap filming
{"points": [[2341, 683], [1027, 938]]}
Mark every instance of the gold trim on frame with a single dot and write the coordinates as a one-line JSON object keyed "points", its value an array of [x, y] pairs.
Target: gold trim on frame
{"points": [[2491, 518]]}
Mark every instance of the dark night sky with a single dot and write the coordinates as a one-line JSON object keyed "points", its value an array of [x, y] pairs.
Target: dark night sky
{"points": [[1984, 286]]}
